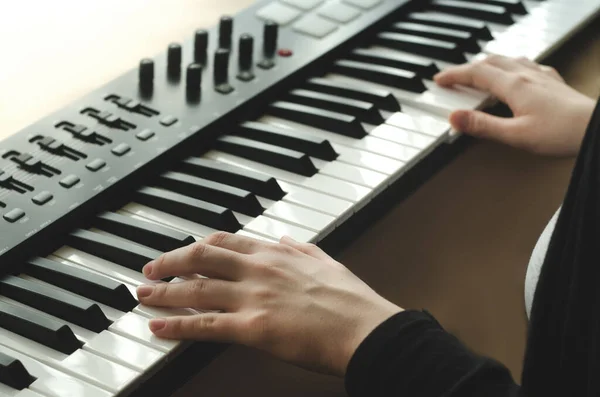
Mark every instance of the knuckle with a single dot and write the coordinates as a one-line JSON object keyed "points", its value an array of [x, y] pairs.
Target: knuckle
{"points": [[258, 325], [286, 249], [159, 292], [217, 238], [205, 322], [197, 250], [493, 59], [197, 287], [264, 294]]}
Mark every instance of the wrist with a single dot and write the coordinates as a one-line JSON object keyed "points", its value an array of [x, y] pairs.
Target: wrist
{"points": [[583, 115]]}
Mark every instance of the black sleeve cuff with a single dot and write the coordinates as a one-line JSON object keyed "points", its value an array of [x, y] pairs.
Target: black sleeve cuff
{"points": [[411, 354]]}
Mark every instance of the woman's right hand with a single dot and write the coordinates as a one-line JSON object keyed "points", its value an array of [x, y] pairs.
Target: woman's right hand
{"points": [[549, 116]]}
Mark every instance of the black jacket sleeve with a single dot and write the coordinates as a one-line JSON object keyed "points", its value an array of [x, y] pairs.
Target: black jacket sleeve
{"points": [[410, 354]]}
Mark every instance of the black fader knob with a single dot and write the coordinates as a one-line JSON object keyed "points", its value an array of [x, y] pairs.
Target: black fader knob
{"points": [[246, 56], [225, 32], [174, 61], [146, 76], [193, 82], [270, 36], [221, 71], [200, 46]]}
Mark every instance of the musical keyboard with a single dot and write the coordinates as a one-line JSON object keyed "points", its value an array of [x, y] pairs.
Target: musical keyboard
{"points": [[307, 134]]}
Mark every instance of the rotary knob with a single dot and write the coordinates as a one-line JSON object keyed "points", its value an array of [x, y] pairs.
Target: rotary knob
{"points": [[221, 71], [246, 56], [193, 82], [225, 32], [200, 46], [146, 76], [174, 61], [270, 37]]}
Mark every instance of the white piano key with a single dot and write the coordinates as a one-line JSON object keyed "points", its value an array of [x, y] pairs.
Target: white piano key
{"points": [[321, 183], [136, 327], [368, 160], [277, 229], [319, 202], [124, 351], [155, 312], [299, 216], [359, 176], [51, 382], [29, 393], [255, 236], [403, 136], [184, 225], [368, 143], [424, 124], [81, 364], [6, 391], [243, 219], [105, 267]]}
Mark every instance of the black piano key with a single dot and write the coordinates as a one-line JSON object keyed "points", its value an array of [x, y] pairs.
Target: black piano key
{"points": [[13, 373], [426, 69], [255, 182], [365, 111], [477, 29], [437, 49], [121, 252], [464, 40], [149, 234], [213, 192], [285, 159], [332, 121], [38, 328], [383, 99], [484, 12], [513, 6], [311, 145], [80, 281], [385, 75], [198, 211], [56, 302]]}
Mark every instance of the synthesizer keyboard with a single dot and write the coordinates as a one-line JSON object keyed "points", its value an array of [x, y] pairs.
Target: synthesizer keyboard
{"points": [[294, 117]]}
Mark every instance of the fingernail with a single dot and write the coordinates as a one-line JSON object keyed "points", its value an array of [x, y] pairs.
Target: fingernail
{"points": [[147, 270], [144, 291], [157, 324]]}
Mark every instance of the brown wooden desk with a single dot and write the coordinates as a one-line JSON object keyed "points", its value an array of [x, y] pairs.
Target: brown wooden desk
{"points": [[458, 247]]}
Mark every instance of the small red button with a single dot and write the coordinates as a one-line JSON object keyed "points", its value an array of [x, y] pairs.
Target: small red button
{"points": [[284, 52]]}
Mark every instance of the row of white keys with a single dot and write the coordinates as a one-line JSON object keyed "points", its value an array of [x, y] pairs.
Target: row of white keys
{"points": [[50, 382], [82, 364], [112, 347]]}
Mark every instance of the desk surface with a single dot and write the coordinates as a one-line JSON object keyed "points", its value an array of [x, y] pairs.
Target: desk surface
{"points": [[462, 257]]}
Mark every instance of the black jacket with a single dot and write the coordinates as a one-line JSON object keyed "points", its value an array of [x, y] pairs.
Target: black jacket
{"points": [[411, 355]]}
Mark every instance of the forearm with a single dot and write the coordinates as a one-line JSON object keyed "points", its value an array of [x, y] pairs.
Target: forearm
{"points": [[411, 355]]}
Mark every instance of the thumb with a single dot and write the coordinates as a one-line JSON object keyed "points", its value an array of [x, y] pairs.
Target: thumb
{"points": [[480, 124]]}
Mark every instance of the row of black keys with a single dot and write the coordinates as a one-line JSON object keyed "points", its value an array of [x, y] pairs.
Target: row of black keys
{"points": [[429, 34]]}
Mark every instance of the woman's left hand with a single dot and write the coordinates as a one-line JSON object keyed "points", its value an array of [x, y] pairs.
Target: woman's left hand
{"points": [[289, 299]]}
